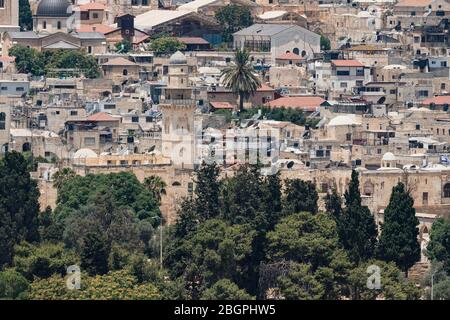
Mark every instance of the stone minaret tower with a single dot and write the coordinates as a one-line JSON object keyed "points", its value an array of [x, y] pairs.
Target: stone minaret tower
{"points": [[178, 110]]}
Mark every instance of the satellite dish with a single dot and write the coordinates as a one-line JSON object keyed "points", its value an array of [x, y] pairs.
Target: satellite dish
{"points": [[381, 100], [290, 164], [251, 122], [152, 148]]}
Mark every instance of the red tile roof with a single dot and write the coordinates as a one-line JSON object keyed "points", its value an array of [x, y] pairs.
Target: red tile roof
{"points": [[438, 100], [137, 40], [289, 56], [192, 40], [347, 63], [101, 116], [221, 105], [96, 28], [307, 103], [7, 59]]}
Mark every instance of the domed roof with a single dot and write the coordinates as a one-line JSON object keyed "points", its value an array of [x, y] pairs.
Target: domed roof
{"points": [[54, 8], [342, 121], [389, 156], [178, 58], [85, 153]]}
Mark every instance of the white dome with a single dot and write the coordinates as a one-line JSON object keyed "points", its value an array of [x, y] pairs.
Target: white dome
{"points": [[389, 156], [85, 153], [342, 121], [178, 58], [363, 14]]}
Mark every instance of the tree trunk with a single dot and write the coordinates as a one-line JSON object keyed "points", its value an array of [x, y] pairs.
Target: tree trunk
{"points": [[241, 101]]}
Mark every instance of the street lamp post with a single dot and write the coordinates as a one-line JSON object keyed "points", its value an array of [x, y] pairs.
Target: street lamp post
{"points": [[432, 284], [160, 241]]}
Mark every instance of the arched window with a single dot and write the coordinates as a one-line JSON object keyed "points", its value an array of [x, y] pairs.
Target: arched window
{"points": [[58, 25], [2, 121], [296, 51], [303, 53], [44, 25], [447, 190], [125, 72]]}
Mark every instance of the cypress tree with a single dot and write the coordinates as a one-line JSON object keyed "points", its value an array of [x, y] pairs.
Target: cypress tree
{"points": [[19, 206], [399, 232], [207, 191], [356, 226]]}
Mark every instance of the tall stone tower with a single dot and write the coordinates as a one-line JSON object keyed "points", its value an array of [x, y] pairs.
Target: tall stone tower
{"points": [[178, 108], [9, 17]]}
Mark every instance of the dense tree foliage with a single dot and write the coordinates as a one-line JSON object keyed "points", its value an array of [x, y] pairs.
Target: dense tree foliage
{"points": [[439, 246], [13, 285], [441, 282], [116, 285], [43, 260], [244, 236], [29, 60], [399, 232], [300, 196], [356, 226], [225, 290], [233, 18], [311, 243], [166, 44], [123, 188], [393, 285], [240, 77], [25, 17], [19, 205], [124, 46], [325, 43]]}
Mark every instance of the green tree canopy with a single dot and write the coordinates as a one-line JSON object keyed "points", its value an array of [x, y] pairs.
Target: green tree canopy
{"points": [[233, 18], [240, 77], [43, 260], [356, 226], [29, 60], [166, 45], [25, 17], [310, 242], [116, 285], [399, 232], [13, 285], [19, 206], [225, 290], [393, 284], [439, 246], [299, 196]]}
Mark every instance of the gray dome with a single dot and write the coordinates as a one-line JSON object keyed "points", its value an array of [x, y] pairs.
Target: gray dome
{"points": [[54, 8], [178, 58]]}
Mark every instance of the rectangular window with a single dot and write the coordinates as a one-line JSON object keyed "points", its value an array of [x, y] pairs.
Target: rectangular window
{"points": [[343, 84], [20, 89], [73, 113], [134, 119], [342, 72], [89, 141], [2, 3], [425, 198]]}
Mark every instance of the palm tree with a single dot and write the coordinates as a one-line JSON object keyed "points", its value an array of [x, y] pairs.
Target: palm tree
{"points": [[240, 77], [156, 186], [61, 176]]}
